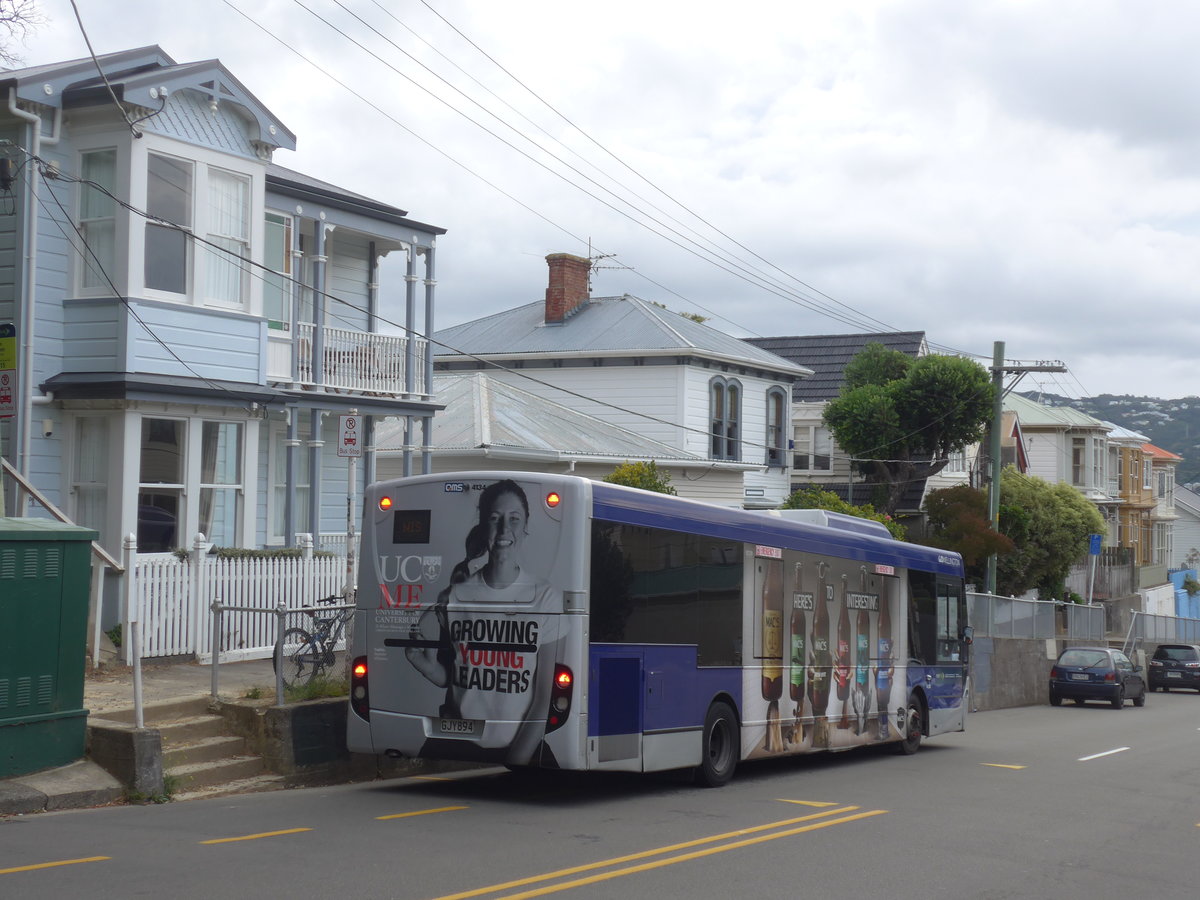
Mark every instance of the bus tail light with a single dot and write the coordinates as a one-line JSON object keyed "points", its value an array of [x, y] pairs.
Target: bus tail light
{"points": [[360, 698], [561, 692]]}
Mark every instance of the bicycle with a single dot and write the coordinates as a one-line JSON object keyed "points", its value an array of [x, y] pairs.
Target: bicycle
{"points": [[302, 655]]}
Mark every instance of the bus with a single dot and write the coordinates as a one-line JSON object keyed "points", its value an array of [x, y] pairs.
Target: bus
{"points": [[549, 621]]}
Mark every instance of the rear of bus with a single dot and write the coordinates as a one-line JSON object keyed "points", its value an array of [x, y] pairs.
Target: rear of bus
{"points": [[469, 632]]}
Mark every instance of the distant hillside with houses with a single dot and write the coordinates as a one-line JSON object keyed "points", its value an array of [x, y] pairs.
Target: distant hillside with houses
{"points": [[1171, 424]]}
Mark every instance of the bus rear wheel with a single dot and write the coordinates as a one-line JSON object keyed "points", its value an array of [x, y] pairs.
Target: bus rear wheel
{"points": [[722, 745], [912, 727]]}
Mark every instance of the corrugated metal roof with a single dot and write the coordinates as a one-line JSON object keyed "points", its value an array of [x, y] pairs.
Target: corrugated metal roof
{"points": [[828, 354], [482, 412], [1034, 414], [625, 325]]}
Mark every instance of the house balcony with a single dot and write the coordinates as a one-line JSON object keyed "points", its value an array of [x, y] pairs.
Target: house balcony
{"points": [[361, 362]]}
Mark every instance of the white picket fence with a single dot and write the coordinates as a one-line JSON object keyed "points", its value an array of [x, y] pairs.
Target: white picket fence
{"points": [[174, 601]]}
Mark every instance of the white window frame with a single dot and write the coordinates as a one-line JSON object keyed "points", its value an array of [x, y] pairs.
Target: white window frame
{"points": [[283, 324], [725, 426], [806, 436], [778, 422], [191, 489], [202, 161], [102, 264]]}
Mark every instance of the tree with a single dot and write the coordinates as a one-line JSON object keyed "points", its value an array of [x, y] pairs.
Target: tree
{"points": [[815, 498], [1050, 525], [958, 521], [645, 475], [18, 19], [900, 418]]}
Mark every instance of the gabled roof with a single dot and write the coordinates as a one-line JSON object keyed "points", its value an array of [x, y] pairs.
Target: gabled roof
{"points": [[603, 326], [138, 77], [482, 412], [828, 354], [1034, 415], [1122, 435], [1159, 454]]}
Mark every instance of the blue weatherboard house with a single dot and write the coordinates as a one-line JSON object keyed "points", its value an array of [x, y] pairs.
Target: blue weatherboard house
{"points": [[190, 318]]}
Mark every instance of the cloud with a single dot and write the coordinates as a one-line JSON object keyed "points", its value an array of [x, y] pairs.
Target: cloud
{"points": [[1017, 171]]}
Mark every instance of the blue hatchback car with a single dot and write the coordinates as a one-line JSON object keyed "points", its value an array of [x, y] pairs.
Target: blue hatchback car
{"points": [[1096, 673]]}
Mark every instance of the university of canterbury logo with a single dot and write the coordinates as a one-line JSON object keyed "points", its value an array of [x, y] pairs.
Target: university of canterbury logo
{"points": [[433, 567]]}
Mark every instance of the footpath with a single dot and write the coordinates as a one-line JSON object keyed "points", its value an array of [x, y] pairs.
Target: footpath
{"points": [[110, 690]]}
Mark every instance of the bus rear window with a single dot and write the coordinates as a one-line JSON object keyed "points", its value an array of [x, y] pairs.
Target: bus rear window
{"points": [[410, 526]]}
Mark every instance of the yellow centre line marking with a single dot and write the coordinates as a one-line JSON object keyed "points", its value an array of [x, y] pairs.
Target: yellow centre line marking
{"points": [[255, 837], [1001, 766], [50, 865], [670, 861], [421, 812], [815, 803], [643, 854]]}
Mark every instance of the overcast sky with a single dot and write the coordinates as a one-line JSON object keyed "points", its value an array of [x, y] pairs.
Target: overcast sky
{"points": [[1020, 171]]}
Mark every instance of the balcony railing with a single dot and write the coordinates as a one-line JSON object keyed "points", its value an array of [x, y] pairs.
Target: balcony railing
{"points": [[361, 362]]}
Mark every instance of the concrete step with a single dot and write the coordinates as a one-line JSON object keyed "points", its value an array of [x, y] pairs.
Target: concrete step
{"points": [[208, 749], [156, 714], [194, 776], [255, 784], [191, 729]]}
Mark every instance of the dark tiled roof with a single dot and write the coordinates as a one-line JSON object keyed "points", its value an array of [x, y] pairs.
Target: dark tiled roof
{"points": [[827, 355]]}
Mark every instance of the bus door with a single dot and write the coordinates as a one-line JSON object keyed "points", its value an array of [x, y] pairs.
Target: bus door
{"points": [[615, 708], [948, 706]]}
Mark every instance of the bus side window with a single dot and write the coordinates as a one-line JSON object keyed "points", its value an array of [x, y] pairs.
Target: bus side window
{"points": [[922, 618]]}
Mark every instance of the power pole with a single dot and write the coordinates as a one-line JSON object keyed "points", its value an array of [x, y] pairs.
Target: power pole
{"points": [[999, 370]]}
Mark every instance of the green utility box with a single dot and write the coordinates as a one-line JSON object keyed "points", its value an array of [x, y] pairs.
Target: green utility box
{"points": [[44, 578]]}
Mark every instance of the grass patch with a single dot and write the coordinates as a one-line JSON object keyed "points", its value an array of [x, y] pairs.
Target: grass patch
{"points": [[320, 687], [170, 788], [255, 692]]}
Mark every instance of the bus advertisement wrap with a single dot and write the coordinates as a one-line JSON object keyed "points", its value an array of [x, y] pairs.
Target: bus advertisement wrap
{"points": [[478, 625], [540, 620], [839, 666]]}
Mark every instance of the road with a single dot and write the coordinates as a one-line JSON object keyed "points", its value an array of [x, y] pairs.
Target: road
{"points": [[1077, 802]]}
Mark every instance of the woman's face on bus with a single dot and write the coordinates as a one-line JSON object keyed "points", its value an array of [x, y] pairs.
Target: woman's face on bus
{"points": [[506, 525]]}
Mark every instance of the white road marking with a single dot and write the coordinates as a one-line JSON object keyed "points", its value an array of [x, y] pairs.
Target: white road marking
{"points": [[1105, 753]]}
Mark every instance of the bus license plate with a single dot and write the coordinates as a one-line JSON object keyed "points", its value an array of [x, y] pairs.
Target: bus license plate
{"points": [[460, 727]]}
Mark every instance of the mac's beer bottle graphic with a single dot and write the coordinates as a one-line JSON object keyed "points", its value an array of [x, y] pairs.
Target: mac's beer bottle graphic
{"points": [[842, 661], [801, 601], [883, 674], [772, 605], [820, 660], [862, 669]]}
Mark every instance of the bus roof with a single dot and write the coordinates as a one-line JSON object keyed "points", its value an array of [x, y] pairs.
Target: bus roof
{"points": [[616, 503]]}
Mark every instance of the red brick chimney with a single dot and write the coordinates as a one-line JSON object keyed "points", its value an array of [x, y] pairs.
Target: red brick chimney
{"points": [[568, 285]]}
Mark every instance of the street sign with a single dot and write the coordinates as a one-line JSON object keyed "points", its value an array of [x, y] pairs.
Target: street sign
{"points": [[8, 370], [350, 440], [1094, 544]]}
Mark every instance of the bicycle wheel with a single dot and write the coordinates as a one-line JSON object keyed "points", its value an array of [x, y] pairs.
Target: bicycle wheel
{"points": [[297, 657]]}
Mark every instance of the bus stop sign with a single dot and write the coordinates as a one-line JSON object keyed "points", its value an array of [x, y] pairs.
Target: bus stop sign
{"points": [[350, 436]]}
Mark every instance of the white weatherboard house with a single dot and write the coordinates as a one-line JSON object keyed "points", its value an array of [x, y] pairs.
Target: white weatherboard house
{"points": [[645, 369], [491, 425], [192, 319]]}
